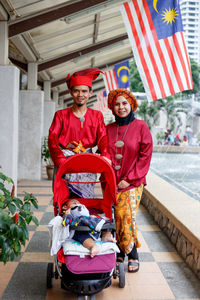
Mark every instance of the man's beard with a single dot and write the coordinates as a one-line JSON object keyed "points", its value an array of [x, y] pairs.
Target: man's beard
{"points": [[80, 104]]}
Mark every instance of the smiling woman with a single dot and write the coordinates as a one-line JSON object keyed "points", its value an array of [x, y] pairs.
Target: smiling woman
{"points": [[130, 146]]}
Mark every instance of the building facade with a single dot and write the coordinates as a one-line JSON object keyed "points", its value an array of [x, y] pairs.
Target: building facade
{"points": [[190, 10]]}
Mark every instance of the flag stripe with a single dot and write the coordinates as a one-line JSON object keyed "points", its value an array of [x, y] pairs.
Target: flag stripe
{"points": [[169, 66], [186, 58], [163, 63], [102, 100], [149, 49], [113, 79], [137, 42], [107, 81], [175, 69], [159, 50], [110, 80], [178, 49]]}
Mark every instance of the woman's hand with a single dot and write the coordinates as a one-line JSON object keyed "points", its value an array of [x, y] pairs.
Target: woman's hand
{"points": [[123, 184]]}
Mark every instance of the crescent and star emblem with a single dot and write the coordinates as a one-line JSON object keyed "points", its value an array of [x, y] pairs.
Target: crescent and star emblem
{"points": [[123, 67], [155, 4], [124, 78], [168, 16]]}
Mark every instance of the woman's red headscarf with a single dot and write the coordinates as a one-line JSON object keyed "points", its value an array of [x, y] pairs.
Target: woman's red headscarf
{"points": [[112, 97]]}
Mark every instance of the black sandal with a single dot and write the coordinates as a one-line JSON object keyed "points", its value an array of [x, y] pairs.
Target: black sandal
{"points": [[133, 264]]}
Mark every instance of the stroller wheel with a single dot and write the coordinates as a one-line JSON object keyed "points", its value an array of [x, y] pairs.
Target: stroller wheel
{"points": [[49, 275], [121, 275]]}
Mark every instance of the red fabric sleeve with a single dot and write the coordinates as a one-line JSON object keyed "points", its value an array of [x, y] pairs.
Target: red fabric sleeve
{"points": [[102, 139], [54, 131], [142, 164]]}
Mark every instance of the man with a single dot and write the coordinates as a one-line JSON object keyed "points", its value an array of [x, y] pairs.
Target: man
{"points": [[78, 128]]}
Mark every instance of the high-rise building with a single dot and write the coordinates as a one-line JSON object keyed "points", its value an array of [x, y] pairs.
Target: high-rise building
{"points": [[190, 10]]}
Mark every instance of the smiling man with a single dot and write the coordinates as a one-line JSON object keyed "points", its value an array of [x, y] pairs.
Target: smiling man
{"points": [[78, 128]]}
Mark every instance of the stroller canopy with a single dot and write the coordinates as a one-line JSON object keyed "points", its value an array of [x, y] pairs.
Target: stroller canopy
{"points": [[86, 163]]}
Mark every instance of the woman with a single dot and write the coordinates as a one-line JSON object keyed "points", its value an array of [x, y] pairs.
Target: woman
{"points": [[130, 147]]}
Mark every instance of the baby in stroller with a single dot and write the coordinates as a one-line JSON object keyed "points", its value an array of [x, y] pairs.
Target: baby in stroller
{"points": [[85, 265], [76, 214]]}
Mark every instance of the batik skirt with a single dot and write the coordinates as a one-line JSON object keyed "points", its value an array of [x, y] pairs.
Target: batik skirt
{"points": [[125, 218]]}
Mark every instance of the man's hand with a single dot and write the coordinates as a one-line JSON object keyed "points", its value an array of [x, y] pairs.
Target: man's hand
{"points": [[123, 184]]}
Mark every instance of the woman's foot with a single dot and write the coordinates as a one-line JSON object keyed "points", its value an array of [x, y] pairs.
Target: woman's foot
{"points": [[133, 265]]}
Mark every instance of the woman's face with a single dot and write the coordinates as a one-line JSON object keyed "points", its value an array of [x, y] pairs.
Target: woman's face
{"points": [[122, 107]]}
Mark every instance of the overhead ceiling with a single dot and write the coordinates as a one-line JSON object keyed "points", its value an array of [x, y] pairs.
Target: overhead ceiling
{"points": [[66, 37]]}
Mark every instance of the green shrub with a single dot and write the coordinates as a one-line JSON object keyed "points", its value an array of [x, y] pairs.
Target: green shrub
{"points": [[15, 215]]}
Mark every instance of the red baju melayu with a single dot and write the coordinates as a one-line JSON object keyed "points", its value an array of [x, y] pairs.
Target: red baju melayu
{"points": [[137, 151], [66, 128]]}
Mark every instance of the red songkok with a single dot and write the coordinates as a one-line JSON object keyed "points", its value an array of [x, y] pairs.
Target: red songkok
{"points": [[84, 77]]}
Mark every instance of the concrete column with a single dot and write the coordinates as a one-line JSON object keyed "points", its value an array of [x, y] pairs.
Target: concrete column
{"points": [[56, 100], [49, 111], [49, 108], [9, 105], [31, 128], [55, 97], [30, 134], [47, 90], [4, 43], [32, 76]]}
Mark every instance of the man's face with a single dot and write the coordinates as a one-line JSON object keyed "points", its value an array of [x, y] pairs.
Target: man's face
{"points": [[80, 94]]}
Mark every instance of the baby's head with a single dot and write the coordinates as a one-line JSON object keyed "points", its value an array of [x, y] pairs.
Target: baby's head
{"points": [[69, 204], [77, 209]]}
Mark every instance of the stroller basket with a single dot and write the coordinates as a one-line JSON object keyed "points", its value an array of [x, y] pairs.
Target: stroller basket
{"points": [[84, 284]]}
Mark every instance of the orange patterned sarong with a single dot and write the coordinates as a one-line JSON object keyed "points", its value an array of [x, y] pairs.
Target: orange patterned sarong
{"points": [[125, 218]]}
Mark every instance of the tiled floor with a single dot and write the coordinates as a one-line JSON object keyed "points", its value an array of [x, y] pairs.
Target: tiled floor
{"points": [[162, 274]]}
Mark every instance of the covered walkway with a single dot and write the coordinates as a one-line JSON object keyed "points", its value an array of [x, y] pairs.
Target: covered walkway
{"points": [[162, 275]]}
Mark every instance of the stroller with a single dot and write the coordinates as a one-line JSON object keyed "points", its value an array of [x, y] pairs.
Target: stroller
{"points": [[86, 276]]}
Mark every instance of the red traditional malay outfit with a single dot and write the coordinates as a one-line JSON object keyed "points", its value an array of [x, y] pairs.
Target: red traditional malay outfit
{"points": [[66, 127], [130, 161], [88, 131]]}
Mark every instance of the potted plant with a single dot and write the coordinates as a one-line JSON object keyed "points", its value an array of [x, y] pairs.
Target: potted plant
{"points": [[15, 215], [47, 158]]}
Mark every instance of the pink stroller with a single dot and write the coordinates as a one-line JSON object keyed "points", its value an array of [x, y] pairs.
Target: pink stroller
{"points": [[86, 276]]}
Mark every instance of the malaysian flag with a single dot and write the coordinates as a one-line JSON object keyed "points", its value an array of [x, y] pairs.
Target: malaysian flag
{"points": [[156, 34], [118, 77], [102, 100]]}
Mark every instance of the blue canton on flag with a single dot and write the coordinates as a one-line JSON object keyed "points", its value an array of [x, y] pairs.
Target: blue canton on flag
{"points": [[122, 74], [156, 35], [166, 17]]}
